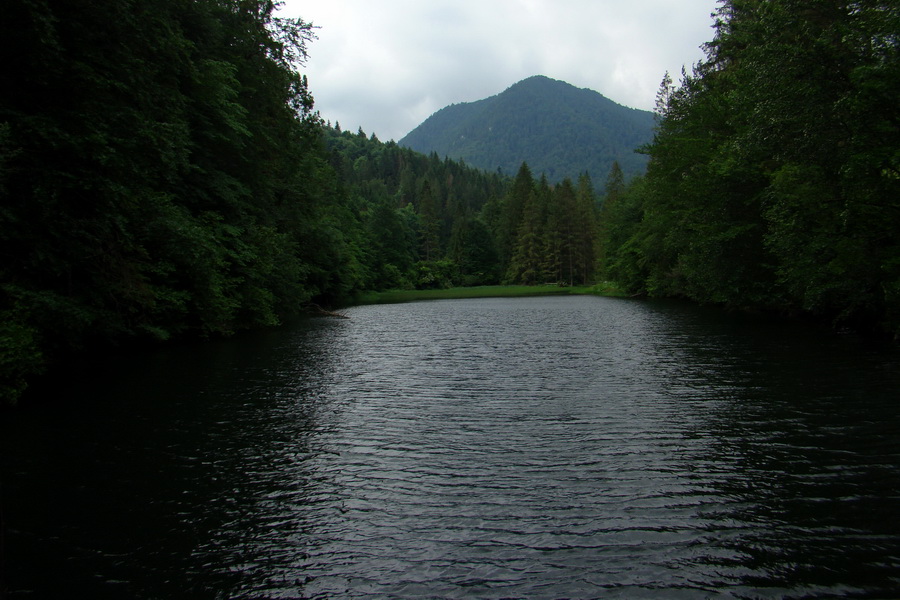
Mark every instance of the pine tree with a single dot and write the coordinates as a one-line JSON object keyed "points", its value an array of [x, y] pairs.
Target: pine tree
{"points": [[585, 228], [561, 226], [512, 213], [430, 224], [527, 262]]}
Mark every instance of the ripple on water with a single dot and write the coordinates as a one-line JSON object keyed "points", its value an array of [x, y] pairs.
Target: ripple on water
{"points": [[541, 448]]}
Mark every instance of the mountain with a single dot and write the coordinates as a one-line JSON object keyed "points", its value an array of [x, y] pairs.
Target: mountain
{"points": [[558, 129]]}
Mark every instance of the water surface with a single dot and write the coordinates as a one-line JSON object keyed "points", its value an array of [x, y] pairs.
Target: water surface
{"points": [[559, 447]]}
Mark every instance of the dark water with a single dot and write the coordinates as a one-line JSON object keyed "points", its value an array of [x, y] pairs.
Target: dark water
{"points": [[537, 448]]}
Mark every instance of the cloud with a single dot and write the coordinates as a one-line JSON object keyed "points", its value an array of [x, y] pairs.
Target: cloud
{"points": [[386, 66]]}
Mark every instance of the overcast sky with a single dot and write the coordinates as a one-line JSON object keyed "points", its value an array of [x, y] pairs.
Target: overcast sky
{"points": [[387, 65]]}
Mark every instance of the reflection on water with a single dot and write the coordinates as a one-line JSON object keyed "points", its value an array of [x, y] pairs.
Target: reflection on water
{"points": [[538, 448]]}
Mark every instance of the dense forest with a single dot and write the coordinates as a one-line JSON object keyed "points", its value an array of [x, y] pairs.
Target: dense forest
{"points": [[774, 175], [413, 220], [558, 129], [157, 173], [164, 174]]}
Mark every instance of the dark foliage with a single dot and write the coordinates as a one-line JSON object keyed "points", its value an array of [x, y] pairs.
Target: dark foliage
{"points": [[160, 175], [419, 218], [163, 174], [775, 171]]}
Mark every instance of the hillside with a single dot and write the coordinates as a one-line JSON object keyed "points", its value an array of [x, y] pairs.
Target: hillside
{"points": [[558, 129]]}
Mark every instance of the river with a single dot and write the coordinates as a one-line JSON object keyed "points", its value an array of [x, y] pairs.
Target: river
{"points": [[554, 447]]}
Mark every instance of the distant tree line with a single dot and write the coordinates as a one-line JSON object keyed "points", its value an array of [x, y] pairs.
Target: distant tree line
{"points": [[416, 220], [547, 234], [774, 175], [426, 222]]}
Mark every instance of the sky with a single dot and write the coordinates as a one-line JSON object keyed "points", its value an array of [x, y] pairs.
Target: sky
{"points": [[387, 65]]}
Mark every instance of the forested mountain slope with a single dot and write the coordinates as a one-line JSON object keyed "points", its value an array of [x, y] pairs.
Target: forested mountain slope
{"points": [[558, 129]]}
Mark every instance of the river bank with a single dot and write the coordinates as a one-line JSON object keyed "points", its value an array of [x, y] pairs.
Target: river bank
{"points": [[486, 291]]}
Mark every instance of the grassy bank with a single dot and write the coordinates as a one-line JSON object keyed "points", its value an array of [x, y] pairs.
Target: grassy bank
{"points": [[486, 291]]}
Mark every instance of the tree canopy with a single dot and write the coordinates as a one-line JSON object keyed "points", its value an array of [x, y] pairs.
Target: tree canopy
{"points": [[159, 173], [163, 174], [774, 175]]}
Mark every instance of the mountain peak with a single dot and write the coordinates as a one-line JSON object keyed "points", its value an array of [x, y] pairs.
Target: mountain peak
{"points": [[558, 129], [541, 80], [537, 79]]}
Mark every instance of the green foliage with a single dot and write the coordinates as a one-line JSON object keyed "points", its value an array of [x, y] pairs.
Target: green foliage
{"points": [[773, 179], [585, 231], [429, 222], [418, 212], [160, 174], [555, 231], [437, 274], [559, 130], [472, 248], [624, 242], [530, 247]]}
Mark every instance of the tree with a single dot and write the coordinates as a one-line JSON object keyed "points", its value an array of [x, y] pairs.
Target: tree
{"points": [[392, 255], [622, 238], [585, 229], [388, 192], [472, 249], [613, 191], [512, 213], [773, 173], [429, 216], [528, 262], [163, 189], [560, 232]]}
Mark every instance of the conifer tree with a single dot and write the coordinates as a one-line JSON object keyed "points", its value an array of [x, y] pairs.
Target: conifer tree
{"points": [[430, 225], [526, 265], [561, 226], [512, 213], [585, 228]]}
